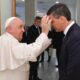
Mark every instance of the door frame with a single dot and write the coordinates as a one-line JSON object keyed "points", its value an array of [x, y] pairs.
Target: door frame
{"points": [[13, 7]]}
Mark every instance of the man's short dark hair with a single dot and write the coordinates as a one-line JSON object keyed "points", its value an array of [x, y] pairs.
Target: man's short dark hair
{"points": [[37, 18], [58, 10]]}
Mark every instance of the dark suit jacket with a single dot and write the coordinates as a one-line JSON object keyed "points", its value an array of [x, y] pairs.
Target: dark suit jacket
{"points": [[56, 38], [69, 65], [32, 34]]}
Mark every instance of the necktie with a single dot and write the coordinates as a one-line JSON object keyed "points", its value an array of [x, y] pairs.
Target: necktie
{"points": [[38, 30]]}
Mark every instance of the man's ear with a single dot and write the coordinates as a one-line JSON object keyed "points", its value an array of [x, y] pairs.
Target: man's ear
{"points": [[62, 18]]}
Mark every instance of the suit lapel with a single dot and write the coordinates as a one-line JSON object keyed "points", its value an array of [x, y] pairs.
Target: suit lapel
{"points": [[69, 33], [66, 40]]}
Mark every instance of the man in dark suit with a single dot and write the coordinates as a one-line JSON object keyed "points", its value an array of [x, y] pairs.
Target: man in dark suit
{"points": [[57, 38], [69, 60], [32, 33]]}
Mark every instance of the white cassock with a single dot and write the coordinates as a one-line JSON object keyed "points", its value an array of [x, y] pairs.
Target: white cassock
{"points": [[15, 56]]}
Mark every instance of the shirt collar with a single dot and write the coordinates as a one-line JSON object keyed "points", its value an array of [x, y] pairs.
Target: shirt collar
{"points": [[36, 26], [68, 27]]}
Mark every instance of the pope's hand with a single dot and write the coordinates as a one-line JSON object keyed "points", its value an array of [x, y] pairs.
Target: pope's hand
{"points": [[46, 24]]}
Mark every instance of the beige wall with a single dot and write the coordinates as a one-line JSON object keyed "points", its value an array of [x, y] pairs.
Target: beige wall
{"points": [[5, 12], [0, 24], [7, 9], [0, 17]]}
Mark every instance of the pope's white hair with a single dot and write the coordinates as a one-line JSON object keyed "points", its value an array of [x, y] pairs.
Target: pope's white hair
{"points": [[9, 21]]}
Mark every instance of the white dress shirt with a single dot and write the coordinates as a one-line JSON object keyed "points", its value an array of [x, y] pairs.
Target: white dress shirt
{"points": [[14, 56], [68, 27]]}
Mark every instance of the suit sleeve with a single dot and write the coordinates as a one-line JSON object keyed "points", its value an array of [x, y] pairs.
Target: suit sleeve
{"points": [[73, 61]]}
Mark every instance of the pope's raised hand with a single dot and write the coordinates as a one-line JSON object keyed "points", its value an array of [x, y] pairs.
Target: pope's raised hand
{"points": [[46, 24]]}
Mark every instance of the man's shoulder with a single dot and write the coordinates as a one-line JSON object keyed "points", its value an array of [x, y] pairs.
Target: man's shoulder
{"points": [[32, 28]]}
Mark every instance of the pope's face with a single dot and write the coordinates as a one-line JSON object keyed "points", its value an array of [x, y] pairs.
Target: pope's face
{"points": [[18, 29]]}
